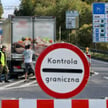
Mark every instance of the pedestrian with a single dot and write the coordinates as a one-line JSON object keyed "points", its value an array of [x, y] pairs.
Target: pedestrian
{"points": [[28, 54], [3, 64]]}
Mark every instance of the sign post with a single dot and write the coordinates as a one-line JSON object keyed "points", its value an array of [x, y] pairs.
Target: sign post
{"points": [[62, 70]]}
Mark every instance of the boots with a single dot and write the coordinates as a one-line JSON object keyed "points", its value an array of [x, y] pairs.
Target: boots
{"points": [[0, 78], [6, 78]]}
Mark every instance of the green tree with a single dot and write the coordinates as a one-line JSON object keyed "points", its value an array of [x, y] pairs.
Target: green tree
{"points": [[27, 8], [45, 7], [1, 10], [92, 1], [85, 36]]}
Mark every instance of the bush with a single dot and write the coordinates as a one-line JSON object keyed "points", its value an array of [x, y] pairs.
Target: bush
{"points": [[85, 36]]}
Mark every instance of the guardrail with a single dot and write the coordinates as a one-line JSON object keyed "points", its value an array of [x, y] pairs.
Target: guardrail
{"points": [[97, 54]]}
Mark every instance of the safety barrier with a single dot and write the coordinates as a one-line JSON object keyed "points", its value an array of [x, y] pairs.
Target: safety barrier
{"points": [[56, 103]]}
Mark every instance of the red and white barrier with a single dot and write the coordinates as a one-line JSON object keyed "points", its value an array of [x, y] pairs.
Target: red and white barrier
{"points": [[56, 103], [89, 59]]}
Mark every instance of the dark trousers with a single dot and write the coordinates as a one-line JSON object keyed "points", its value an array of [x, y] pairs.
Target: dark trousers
{"points": [[4, 70]]}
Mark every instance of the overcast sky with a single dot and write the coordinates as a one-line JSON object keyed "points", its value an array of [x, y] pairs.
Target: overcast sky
{"points": [[7, 4]]}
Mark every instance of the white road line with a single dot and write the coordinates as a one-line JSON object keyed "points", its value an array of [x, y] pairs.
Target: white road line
{"points": [[27, 84], [105, 77], [17, 82], [21, 87], [96, 73], [11, 84]]}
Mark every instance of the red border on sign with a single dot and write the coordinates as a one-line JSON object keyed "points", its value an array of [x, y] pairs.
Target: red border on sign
{"points": [[38, 70]]}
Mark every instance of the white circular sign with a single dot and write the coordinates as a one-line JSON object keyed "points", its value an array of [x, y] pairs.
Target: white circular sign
{"points": [[61, 70]]}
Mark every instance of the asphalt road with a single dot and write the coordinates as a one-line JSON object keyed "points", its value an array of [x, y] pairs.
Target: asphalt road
{"points": [[96, 88]]}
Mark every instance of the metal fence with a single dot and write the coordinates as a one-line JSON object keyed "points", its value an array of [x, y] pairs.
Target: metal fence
{"points": [[97, 54]]}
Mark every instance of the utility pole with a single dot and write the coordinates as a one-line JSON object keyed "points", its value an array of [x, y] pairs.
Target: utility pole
{"points": [[60, 34]]}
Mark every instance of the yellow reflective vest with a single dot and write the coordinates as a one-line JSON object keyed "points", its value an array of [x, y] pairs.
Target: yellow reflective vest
{"points": [[2, 59]]}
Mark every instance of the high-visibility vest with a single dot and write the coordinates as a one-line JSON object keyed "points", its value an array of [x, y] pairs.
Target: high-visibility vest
{"points": [[2, 58]]}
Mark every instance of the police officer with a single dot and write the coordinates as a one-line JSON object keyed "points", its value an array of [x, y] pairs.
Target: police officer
{"points": [[3, 64]]}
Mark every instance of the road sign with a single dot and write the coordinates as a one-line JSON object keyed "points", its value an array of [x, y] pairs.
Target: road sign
{"points": [[72, 19], [100, 22], [62, 70], [98, 8]]}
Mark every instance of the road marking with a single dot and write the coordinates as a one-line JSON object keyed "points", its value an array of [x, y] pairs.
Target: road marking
{"points": [[8, 86], [14, 83], [21, 87], [96, 73], [27, 84], [105, 77]]}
